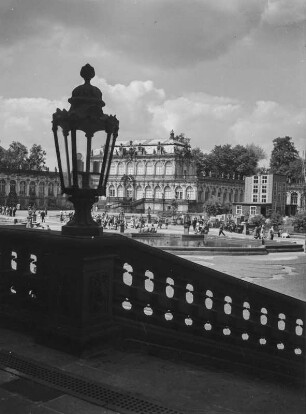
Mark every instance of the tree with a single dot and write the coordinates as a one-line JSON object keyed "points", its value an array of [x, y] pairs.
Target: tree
{"points": [[257, 220], [285, 158], [215, 207], [276, 219], [299, 220], [225, 159], [15, 157], [37, 158], [185, 151]]}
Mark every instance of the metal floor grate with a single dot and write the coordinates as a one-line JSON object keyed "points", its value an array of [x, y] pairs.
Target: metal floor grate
{"points": [[82, 388]]}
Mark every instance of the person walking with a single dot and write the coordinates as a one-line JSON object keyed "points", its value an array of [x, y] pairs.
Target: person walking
{"points": [[262, 232], [221, 228], [42, 216], [271, 233]]}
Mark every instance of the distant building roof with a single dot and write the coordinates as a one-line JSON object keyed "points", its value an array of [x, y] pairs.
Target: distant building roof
{"points": [[149, 144]]}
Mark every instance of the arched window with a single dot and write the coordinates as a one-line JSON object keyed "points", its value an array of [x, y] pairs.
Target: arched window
{"points": [[168, 193], [22, 187], [13, 186], [120, 191], [50, 189], [32, 188], [206, 195], [236, 196], [168, 168], [113, 168], [121, 169], [158, 192], [41, 189], [111, 191], [2, 187], [294, 198], [129, 191], [159, 168], [140, 168], [139, 193], [179, 193], [190, 195], [130, 168], [148, 192], [150, 168]]}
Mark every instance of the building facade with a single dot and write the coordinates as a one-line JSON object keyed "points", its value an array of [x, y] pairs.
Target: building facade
{"points": [[264, 194], [296, 198], [155, 175], [30, 188]]}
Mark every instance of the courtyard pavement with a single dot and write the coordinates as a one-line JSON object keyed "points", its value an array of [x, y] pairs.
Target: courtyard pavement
{"points": [[168, 381]]}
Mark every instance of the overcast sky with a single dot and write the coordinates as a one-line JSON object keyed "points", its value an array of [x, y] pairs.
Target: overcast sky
{"points": [[220, 71]]}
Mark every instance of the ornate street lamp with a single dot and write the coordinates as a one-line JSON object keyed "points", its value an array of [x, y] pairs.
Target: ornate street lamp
{"points": [[81, 179]]}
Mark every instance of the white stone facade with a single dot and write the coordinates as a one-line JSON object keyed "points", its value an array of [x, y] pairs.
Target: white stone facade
{"points": [[153, 173]]}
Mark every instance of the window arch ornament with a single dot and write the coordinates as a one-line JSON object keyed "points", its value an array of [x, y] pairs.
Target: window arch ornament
{"points": [[121, 168], [12, 186], [32, 188], [190, 193], [41, 189], [179, 193], [120, 191], [22, 188], [113, 168], [294, 198], [140, 168], [169, 168], [159, 168], [130, 168], [111, 191], [2, 187], [148, 192], [50, 189], [150, 168], [168, 193], [139, 193], [158, 192]]}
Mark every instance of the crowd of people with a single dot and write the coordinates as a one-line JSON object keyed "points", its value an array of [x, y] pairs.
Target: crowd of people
{"points": [[8, 211], [147, 223], [142, 223]]}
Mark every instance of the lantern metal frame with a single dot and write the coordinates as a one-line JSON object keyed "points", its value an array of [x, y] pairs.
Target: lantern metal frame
{"points": [[85, 114]]}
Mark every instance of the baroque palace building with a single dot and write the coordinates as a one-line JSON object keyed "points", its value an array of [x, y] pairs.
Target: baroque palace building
{"points": [[25, 188], [153, 175]]}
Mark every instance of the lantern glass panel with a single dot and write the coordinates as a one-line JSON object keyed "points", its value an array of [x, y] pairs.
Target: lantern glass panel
{"points": [[66, 160], [108, 152]]}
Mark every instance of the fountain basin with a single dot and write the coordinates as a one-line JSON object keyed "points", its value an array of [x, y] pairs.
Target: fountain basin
{"points": [[197, 245]]}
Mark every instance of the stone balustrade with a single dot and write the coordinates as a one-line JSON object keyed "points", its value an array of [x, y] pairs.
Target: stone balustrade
{"points": [[78, 292]]}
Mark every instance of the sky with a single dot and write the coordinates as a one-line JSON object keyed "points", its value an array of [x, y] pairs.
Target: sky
{"points": [[219, 71]]}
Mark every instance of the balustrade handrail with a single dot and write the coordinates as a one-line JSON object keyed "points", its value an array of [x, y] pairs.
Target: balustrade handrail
{"points": [[125, 282]]}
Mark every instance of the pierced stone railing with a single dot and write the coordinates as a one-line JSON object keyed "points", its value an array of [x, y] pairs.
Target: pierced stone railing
{"points": [[79, 291]]}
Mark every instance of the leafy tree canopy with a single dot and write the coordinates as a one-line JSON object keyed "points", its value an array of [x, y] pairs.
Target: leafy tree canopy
{"points": [[299, 220], [225, 159], [18, 157], [215, 207], [37, 158], [257, 220], [285, 159]]}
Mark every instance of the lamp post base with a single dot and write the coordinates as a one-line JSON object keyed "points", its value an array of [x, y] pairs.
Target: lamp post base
{"points": [[82, 231], [82, 223]]}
